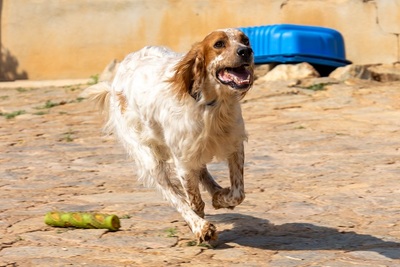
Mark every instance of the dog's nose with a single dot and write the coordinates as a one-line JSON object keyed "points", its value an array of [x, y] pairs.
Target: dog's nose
{"points": [[244, 52]]}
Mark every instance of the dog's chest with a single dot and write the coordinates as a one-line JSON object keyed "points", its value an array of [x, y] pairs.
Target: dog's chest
{"points": [[223, 137]]}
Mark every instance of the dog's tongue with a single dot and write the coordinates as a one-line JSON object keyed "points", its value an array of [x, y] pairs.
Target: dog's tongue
{"points": [[240, 76], [240, 72]]}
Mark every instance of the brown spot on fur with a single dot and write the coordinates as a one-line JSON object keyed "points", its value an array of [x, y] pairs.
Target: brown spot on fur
{"points": [[123, 104], [189, 72]]}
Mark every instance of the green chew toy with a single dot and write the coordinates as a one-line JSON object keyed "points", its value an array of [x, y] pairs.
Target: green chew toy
{"points": [[82, 220]]}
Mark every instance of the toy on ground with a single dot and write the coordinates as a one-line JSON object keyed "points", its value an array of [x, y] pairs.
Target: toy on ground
{"points": [[82, 220]]}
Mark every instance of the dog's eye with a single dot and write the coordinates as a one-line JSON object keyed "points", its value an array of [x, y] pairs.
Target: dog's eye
{"points": [[246, 41], [219, 44]]}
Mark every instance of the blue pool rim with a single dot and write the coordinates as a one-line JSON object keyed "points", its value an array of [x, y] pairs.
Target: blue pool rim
{"points": [[295, 58], [298, 57]]}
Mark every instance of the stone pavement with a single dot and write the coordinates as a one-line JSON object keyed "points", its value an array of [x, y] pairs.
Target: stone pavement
{"points": [[322, 181]]}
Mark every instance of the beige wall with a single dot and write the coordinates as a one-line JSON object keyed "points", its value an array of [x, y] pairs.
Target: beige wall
{"points": [[55, 39]]}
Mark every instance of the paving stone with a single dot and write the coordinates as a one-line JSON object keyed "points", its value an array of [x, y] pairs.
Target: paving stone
{"points": [[140, 242], [60, 262], [229, 253], [377, 256], [301, 258], [31, 252], [62, 236], [135, 197], [27, 225], [321, 178]]}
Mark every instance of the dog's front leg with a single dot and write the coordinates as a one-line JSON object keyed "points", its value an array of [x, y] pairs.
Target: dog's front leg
{"points": [[233, 196]]}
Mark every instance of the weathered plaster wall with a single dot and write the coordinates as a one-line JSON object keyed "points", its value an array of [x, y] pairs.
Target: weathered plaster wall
{"points": [[53, 39]]}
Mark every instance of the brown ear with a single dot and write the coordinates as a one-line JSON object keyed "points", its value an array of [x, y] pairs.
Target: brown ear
{"points": [[189, 73]]}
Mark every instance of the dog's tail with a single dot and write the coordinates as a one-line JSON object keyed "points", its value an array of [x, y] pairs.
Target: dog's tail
{"points": [[100, 94]]}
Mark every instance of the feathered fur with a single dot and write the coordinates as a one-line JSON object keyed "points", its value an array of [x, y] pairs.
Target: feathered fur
{"points": [[174, 113]]}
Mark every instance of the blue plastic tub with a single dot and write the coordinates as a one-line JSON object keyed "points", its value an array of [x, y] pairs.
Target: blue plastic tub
{"points": [[289, 43]]}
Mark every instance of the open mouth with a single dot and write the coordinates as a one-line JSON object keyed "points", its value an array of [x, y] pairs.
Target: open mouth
{"points": [[238, 78]]}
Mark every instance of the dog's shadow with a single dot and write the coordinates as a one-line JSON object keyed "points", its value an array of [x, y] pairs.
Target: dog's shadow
{"points": [[260, 233]]}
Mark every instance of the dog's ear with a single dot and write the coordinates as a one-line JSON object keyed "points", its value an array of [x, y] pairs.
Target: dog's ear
{"points": [[190, 73]]}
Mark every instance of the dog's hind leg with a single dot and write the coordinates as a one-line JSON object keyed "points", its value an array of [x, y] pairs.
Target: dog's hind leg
{"points": [[158, 171], [208, 182], [190, 182], [192, 212]]}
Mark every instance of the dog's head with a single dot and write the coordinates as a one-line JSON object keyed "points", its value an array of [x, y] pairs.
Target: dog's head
{"points": [[221, 64]]}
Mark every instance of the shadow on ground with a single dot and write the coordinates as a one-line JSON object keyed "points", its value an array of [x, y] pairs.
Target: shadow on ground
{"points": [[260, 233]]}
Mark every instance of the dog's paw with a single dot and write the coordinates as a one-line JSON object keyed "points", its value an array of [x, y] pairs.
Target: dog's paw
{"points": [[225, 199], [218, 200], [207, 234]]}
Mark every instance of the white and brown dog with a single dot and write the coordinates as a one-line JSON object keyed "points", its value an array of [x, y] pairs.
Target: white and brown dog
{"points": [[175, 113]]}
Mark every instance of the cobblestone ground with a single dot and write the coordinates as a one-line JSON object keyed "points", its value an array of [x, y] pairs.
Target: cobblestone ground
{"points": [[322, 182]]}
